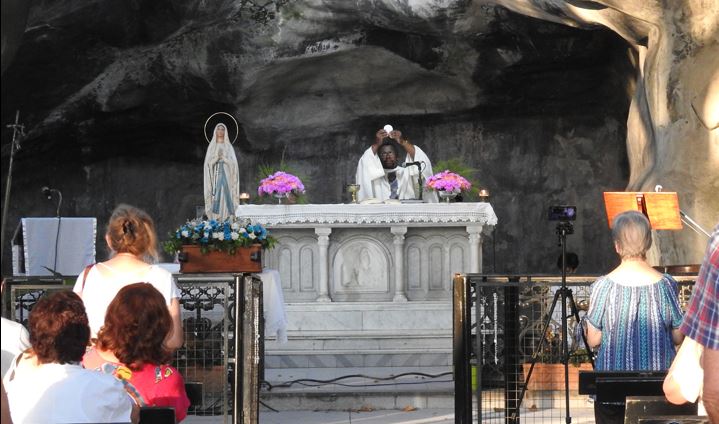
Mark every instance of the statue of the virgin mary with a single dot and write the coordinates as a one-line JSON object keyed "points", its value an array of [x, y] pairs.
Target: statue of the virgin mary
{"points": [[222, 178]]}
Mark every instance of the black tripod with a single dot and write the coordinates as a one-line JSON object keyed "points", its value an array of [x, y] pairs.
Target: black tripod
{"points": [[563, 228]]}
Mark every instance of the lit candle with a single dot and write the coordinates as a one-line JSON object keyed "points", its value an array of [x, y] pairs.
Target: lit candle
{"points": [[244, 198], [484, 195]]}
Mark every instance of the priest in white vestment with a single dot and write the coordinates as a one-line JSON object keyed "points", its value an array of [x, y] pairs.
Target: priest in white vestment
{"points": [[380, 175]]}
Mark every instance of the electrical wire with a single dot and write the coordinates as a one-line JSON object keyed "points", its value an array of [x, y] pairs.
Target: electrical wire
{"points": [[304, 381]]}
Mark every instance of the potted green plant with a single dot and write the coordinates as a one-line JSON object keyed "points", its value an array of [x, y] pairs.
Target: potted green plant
{"points": [[548, 373], [458, 166]]}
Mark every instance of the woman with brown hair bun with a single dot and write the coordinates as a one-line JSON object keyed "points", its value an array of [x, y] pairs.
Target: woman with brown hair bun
{"points": [[132, 239], [130, 347]]}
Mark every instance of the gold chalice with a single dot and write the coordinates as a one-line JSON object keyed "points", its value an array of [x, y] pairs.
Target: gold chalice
{"points": [[353, 189]]}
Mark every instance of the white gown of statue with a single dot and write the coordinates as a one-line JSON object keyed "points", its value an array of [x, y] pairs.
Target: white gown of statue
{"points": [[371, 177], [222, 179]]}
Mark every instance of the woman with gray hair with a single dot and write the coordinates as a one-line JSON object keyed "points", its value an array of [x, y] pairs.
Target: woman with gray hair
{"points": [[634, 313]]}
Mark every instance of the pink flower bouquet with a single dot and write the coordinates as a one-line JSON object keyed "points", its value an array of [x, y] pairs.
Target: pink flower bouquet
{"points": [[280, 183], [448, 181]]}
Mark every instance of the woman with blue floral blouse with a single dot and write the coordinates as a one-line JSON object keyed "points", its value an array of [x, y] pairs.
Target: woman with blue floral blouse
{"points": [[634, 314]]}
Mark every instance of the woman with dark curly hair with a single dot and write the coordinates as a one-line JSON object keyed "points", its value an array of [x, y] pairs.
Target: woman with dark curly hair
{"points": [[46, 384], [130, 347]]}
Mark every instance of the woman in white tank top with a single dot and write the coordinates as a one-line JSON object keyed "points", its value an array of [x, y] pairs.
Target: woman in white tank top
{"points": [[131, 237]]}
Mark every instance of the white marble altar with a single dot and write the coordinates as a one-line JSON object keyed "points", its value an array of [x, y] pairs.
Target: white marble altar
{"points": [[382, 252], [368, 287]]}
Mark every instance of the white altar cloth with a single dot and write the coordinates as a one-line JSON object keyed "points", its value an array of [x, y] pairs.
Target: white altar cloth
{"points": [[273, 304], [338, 215]]}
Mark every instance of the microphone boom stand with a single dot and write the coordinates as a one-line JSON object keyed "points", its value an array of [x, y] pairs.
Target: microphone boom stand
{"points": [[421, 189], [692, 224], [57, 232], [418, 164]]}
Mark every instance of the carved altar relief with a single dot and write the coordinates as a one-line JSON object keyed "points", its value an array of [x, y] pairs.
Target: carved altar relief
{"points": [[361, 265], [296, 259], [372, 253], [433, 256]]}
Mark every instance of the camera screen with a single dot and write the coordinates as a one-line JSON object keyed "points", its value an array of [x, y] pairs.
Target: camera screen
{"points": [[562, 213]]}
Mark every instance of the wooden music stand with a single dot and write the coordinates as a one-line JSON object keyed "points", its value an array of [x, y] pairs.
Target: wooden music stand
{"points": [[661, 208]]}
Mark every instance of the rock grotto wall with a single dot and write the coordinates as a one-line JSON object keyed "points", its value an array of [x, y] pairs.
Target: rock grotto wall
{"points": [[115, 94]]}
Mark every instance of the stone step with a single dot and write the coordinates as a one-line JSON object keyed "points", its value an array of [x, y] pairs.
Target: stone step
{"points": [[360, 389], [365, 328], [357, 401], [340, 360], [371, 376], [373, 388], [422, 397]]}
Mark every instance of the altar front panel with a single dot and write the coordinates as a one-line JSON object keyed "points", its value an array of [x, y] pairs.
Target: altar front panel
{"points": [[432, 257], [360, 253], [296, 258]]}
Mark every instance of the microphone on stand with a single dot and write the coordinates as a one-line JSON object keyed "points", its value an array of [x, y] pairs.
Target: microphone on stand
{"points": [[47, 192], [418, 164]]}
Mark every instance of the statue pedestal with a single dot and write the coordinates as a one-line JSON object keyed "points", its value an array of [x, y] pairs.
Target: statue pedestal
{"points": [[245, 259]]}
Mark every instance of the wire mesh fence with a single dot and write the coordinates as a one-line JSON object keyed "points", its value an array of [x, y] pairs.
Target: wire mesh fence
{"points": [[514, 358], [204, 359]]}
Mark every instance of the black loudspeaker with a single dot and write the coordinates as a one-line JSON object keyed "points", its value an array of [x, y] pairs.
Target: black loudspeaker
{"points": [[674, 419], [194, 393], [642, 407], [157, 415]]}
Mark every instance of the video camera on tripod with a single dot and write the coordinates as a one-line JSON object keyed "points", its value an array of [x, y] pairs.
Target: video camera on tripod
{"points": [[564, 214]]}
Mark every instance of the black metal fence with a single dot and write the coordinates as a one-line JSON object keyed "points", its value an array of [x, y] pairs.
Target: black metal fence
{"points": [[207, 360], [499, 325]]}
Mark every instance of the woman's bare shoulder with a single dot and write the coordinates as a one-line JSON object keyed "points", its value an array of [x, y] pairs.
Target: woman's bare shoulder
{"points": [[635, 275]]}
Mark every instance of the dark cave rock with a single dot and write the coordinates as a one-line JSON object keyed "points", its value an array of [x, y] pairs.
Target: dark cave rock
{"points": [[115, 96]]}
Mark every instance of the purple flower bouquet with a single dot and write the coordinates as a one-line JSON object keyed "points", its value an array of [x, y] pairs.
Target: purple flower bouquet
{"points": [[448, 181], [280, 184]]}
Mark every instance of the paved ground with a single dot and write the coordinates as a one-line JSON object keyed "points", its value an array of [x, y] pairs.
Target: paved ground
{"points": [[419, 416], [425, 400]]}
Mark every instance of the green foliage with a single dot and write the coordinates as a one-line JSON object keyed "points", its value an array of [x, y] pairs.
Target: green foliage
{"points": [[264, 170], [458, 166], [579, 356]]}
